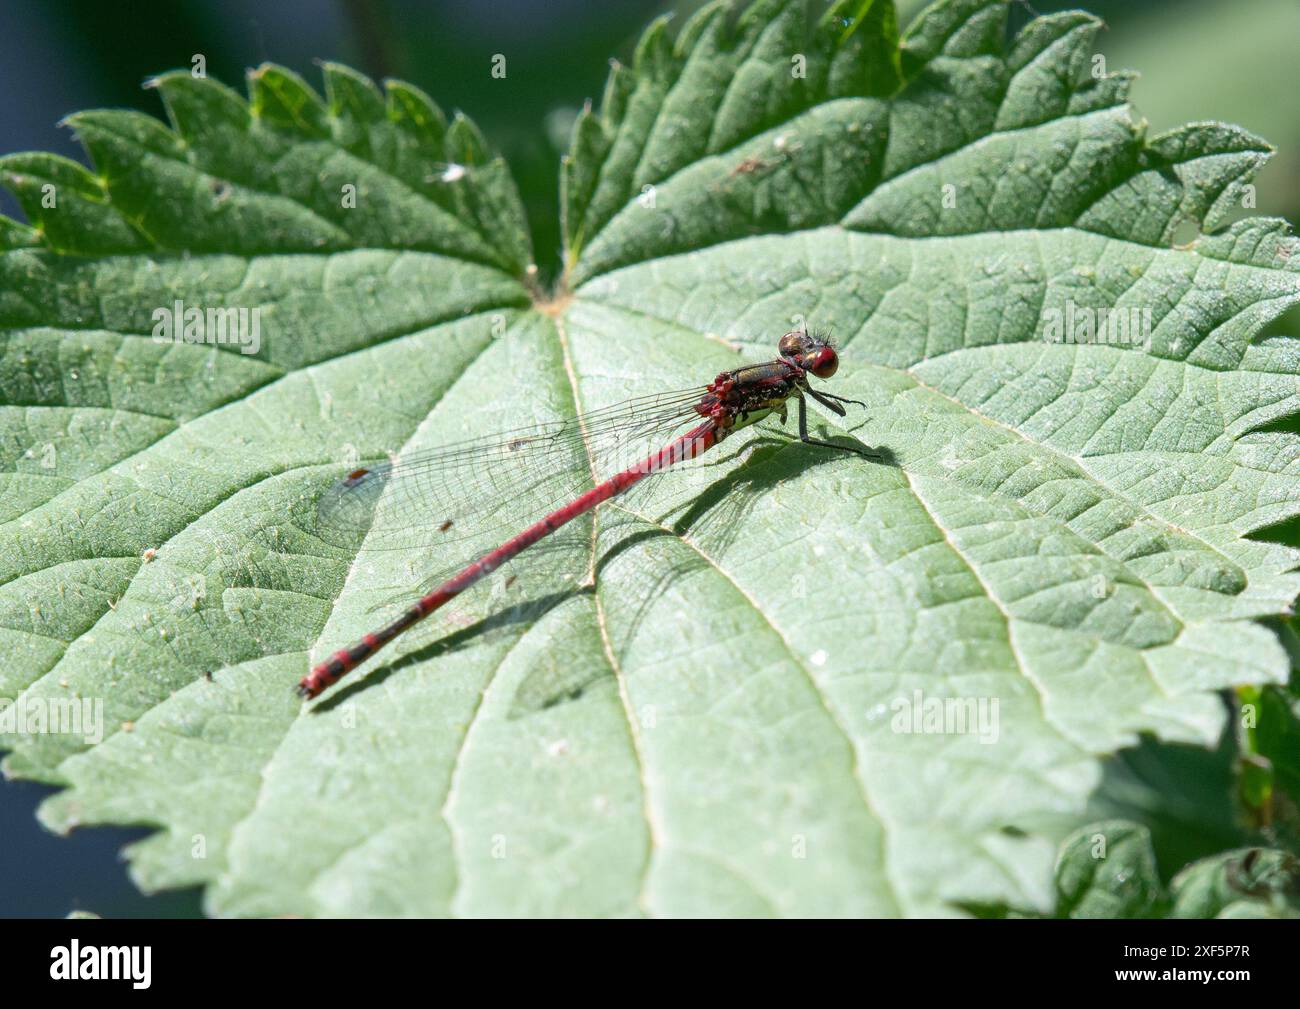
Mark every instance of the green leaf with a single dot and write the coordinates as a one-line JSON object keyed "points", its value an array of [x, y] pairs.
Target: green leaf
{"points": [[1247, 883], [1108, 870], [1058, 541]]}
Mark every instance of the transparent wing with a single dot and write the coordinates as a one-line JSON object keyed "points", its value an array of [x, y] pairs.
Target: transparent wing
{"points": [[508, 479]]}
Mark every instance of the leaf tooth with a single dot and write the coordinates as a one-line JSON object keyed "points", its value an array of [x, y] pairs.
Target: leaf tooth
{"points": [[954, 28], [102, 131], [707, 26], [618, 88], [654, 53], [284, 100], [204, 112], [15, 235], [81, 220], [1042, 34], [465, 142], [351, 96], [1048, 63]]}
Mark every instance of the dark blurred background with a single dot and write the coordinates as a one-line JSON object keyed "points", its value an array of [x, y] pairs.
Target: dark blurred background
{"points": [[1200, 59]]}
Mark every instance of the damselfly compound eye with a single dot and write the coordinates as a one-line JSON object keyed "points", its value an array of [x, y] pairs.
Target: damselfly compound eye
{"points": [[823, 362], [791, 345]]}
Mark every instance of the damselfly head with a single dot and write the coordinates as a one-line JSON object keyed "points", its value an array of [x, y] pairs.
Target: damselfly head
{"points": [[811, 352]]}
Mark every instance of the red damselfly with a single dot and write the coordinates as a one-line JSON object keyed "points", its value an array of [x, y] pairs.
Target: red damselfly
{"points": [[461, 489]]}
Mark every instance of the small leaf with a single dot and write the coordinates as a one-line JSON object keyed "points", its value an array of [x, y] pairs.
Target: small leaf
{"points": [[1108, 870], [1249, 882]]}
